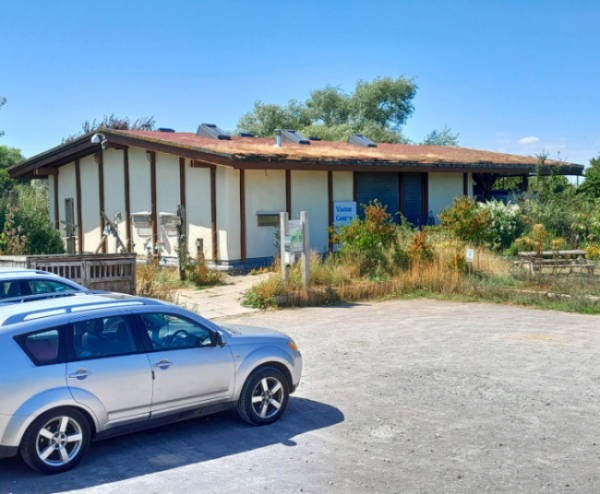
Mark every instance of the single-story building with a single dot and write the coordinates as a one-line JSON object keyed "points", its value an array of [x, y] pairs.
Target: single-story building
{"points": [[232, 188]]}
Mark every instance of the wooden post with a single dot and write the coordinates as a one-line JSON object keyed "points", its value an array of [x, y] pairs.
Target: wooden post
{"points": [[283, 229], [70, 225], [305, 260]]}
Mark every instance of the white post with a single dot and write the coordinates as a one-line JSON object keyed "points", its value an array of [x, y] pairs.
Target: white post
{"points": [[305, 249], [283, 230]]}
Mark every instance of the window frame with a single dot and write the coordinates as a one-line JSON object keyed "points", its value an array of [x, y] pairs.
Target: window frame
{"points": [[149, 347], [72, 355], [61, 354]]}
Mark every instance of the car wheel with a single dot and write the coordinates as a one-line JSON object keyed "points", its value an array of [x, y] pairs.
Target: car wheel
{"points": [[264, 396], [56, 441]]}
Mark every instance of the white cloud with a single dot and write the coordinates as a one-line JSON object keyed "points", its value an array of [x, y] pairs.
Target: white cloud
{"points": [[529, 140]]}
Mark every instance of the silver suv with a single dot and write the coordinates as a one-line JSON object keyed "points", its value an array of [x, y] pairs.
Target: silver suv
{"points": [[19, 285], [85, 368]]}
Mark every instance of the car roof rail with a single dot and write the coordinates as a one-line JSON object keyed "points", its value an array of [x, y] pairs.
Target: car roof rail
{"points": [[47, 308]]}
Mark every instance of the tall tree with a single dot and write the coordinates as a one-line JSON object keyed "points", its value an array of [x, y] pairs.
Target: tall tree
{"points": [[377, 109], [441, 138], [591, 185]]}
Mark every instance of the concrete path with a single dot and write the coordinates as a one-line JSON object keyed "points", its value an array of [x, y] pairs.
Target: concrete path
{"points": [[220, 302]]}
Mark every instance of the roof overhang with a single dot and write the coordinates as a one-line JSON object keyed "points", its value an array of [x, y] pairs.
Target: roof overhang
{"points": [[47, 163]]}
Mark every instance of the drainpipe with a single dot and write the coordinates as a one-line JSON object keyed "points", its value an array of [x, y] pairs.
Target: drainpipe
{"points": [[277, 138]]}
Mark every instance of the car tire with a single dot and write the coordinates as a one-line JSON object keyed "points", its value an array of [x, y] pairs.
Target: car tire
{"points": [[264, 396], [56, 441]]}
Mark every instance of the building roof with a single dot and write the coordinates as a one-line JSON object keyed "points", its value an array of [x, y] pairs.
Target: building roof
{"points": [[260, 153]]}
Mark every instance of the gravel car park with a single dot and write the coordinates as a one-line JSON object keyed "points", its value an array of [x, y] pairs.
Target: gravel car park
{"points": [[408, 396]]}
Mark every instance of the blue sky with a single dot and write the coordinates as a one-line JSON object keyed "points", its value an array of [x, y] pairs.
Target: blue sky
{"points": [[512, 76]]}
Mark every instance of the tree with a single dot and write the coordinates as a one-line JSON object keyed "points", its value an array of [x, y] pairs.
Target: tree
{"points": [[112, 122], [376, 109], [591, 185], [8, 157], [442, 138]]}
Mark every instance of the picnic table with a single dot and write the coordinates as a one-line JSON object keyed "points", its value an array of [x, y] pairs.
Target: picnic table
{"points": [[556, 259]]}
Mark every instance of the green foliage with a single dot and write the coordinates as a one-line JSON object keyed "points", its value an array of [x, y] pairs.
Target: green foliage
{"points": [[112, 122], [441, 138], [507, 223], [377, 109], [465, 221], [32, 218], [365, 241], [591, 185]]}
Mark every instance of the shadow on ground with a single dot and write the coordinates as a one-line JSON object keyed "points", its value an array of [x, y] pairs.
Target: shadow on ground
{"points": [[171, 446]]}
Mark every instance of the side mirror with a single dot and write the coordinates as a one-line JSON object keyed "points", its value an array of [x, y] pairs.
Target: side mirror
{"points": [[219, 342]]}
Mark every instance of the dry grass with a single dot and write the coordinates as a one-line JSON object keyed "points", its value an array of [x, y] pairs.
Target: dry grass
{"points": [[155, 282], [491, 279]]}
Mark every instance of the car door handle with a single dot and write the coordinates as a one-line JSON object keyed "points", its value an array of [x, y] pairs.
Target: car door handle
{"points": [[80, 373], [163, 364]]}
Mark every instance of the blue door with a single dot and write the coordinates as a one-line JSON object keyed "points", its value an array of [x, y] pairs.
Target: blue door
{"points": [[381, 186]]}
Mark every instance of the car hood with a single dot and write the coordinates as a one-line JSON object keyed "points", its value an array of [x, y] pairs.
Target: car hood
{"points": [[243, 330]]}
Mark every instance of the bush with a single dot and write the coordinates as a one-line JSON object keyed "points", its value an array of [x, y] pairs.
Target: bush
{"points": [[365, 242], [464, 220], [507, 223]]}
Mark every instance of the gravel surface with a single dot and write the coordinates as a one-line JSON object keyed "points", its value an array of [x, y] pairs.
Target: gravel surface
{"points": [[397, 397]]}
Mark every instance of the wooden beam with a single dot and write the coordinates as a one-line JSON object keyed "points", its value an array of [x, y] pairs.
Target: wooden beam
{"points": [[182, 182], [330, 202], [79, 212], [288, 192], [355, 190], [213, 213], [127, 199], [243, 215], [44, 172], [154, 212], [56, 210], [101, 193]]}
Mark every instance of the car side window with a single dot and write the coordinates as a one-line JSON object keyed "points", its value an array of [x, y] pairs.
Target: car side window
{"points": [[167, 331], [10, 289], [102, 337], [44, 347], [48, 286]]}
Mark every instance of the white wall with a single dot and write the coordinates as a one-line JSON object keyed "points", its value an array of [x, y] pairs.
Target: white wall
{"points": [[443, 188], [167, 193], [343, 186], [228, 214], [66, 188], [140, 197], [197, 193], [309, 193], [90, 203], [265, 191], [114, 194]]}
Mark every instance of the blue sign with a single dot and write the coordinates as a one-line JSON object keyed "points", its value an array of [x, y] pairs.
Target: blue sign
{"points": [[343, 212]]}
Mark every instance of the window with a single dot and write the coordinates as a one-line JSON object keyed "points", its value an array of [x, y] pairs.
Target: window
{"points": [[167, 331], [102, 337], [10, 289], [43, 347], [48, 286]]}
